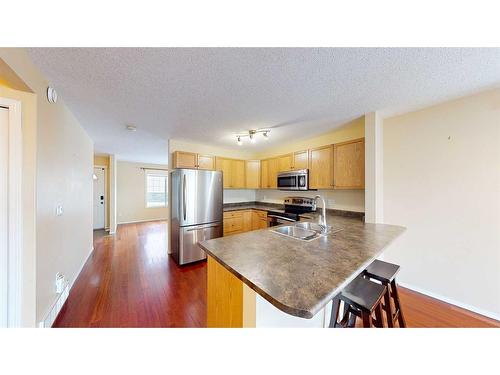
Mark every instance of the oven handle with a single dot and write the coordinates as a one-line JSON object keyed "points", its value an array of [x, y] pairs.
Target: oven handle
{"points": [[281, 218]]}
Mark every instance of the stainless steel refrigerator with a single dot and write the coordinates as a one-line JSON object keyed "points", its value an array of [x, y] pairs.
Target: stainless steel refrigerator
{"points": [[196, 212]]}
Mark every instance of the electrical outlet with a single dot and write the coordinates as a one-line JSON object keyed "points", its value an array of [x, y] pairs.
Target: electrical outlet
{"points": [[60, 282], [59, 210]]}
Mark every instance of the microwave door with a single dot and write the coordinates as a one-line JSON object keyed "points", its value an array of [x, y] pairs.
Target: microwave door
{"points": [[287, 182]]}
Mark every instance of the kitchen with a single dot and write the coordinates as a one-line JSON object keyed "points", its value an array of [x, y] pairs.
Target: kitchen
{"points": [[330, 167], [264, 165]]}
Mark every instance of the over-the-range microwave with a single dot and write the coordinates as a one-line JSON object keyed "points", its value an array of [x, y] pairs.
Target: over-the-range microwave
{"points": [[293, 180]]}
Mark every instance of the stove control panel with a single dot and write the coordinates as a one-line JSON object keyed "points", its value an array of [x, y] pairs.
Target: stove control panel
{"points": [[301, 201]]}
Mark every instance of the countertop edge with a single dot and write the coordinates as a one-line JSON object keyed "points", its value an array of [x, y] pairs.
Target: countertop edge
{"points": [[286, 309]]}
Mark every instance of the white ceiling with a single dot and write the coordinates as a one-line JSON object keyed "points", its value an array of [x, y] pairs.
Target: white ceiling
{"points": [[209, 94]]}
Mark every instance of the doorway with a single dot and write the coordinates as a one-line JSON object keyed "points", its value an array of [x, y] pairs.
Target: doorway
{"points": [[99, 197], [4, 213], [10, 213]]}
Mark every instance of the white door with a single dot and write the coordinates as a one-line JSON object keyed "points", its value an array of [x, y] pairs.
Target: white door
{"points": [[4, 149], [99, 197]]}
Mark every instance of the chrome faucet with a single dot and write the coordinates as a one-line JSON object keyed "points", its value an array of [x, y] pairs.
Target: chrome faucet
{"points": [[322, 218]]}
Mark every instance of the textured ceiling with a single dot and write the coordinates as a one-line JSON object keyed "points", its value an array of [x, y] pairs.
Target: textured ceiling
{"points": [[209, 94]]}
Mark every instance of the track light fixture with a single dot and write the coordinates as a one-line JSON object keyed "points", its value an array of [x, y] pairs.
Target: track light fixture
{"points": [[251, 134]]}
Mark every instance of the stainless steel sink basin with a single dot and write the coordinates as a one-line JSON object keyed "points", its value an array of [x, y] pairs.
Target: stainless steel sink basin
{"points": [[297, 232], [308, 225]]}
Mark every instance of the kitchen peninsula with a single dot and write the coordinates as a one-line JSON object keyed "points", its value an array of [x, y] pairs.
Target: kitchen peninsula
{"points": [[264, 279]]}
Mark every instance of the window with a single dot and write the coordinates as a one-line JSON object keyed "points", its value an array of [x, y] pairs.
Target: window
{"points": [[156, 190]]}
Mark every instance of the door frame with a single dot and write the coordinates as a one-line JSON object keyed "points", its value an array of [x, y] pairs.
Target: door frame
{"points": [[106, 224], [15, 229]]}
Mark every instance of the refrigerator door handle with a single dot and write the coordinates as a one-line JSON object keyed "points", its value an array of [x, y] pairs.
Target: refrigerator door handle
{"points": [[184, 192], [203, 227]]}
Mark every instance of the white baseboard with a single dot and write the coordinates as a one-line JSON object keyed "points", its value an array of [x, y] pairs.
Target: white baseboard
{"points": [[140, 221], [465, 306], [51, 316]]}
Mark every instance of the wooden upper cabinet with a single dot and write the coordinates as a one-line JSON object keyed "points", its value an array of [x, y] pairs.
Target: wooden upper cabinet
{"points": [[206, 162], [233, 172], [349, 164], [321, 167], [301, 160], [273, 169], [183, 159], [285, 163], [264, 174], [252, 168], [238, 174], [224, 165]]}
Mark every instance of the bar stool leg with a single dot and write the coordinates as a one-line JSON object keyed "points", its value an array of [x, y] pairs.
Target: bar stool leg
{"points": [[378, 316], [397, 304], [388, 307], [367, 319], [335, 311]]}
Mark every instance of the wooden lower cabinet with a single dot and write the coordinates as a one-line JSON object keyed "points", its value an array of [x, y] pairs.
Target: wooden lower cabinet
{"points": [[259, 220], [242, 221], [230, 303]]}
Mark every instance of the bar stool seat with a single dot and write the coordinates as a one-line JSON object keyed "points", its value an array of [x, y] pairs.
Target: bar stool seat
{"points": [[361, 299], [385, 273], [382, 271], [363, 294]]}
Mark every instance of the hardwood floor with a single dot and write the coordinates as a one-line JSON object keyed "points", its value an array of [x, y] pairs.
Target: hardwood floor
{"points": [[130, 281]]}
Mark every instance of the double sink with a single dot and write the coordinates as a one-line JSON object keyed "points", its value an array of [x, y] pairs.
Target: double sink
{"points": [[304, 231]]}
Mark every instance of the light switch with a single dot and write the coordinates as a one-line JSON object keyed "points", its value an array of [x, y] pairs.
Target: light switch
{"points": [[59, 210]]}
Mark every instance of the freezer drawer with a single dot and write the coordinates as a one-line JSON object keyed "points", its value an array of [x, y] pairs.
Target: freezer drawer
{"points": [[188, 250]]}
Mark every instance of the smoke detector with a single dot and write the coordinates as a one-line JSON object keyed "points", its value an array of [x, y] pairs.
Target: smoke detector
{"points": [[131, 128], [51, 94]]}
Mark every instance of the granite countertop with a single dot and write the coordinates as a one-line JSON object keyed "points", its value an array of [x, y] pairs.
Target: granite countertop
{"points": [[300, 277], [253, 206]]}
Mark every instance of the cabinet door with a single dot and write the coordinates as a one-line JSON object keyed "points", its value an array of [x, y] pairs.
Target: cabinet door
{"points": [[233, 222], [247, 221], [321, 168], [259, 220], [224, 165], [273, 173], [349, 164], [206, 162], [285, 163], [264, 174], [183, 159], [238, 174], [252, 174], [301, 160]]}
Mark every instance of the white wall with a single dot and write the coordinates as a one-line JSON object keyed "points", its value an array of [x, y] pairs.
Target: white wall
{"points": [[131, 194], [442, 182], [235, 196], [348, 200], [64, 167]]}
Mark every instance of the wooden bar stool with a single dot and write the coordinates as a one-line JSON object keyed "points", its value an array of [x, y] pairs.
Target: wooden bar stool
{"points": [[362, 298], [386, 274]]}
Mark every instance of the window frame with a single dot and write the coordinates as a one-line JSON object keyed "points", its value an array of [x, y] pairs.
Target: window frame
{"points": [[158, 174]]}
